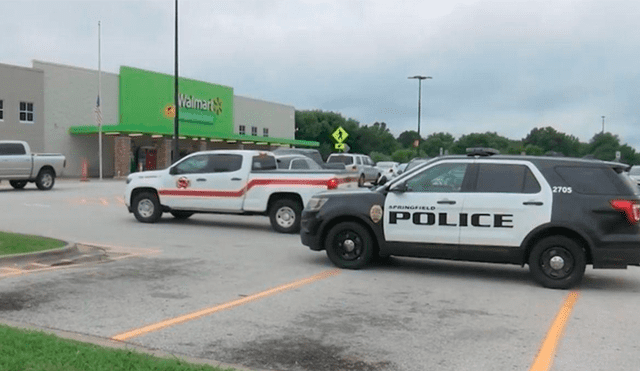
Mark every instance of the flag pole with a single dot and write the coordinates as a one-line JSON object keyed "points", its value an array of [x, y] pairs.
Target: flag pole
{"points": [[99, 108]]}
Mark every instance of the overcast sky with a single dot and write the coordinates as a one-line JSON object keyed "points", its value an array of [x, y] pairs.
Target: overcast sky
{"points": [[500, 66]]}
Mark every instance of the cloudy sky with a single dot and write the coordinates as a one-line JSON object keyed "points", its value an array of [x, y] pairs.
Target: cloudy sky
{"points": [[502, 66]]}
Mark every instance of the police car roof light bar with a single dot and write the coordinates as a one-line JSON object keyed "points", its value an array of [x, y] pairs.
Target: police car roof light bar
{"points": [[482, 151]]}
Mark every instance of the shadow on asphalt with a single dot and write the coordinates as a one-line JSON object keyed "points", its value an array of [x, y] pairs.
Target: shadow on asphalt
{"points": [[195, 221], [490, 272]]}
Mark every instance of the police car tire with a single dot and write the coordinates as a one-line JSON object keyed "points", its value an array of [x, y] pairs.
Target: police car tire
{"points": [[182, 215], [150, 200], [282, 207], [351, 257], [361, 181], [568, 251]]}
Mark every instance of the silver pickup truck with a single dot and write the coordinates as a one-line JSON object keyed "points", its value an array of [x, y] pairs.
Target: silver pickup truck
{"points": [[19, 166]]}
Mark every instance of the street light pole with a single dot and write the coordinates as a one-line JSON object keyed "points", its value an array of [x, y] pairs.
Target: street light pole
{"points": [[176, 118], [419, 78], [602, 124]]}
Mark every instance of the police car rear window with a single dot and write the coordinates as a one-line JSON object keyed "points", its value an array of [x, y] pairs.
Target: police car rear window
{"points": [[589, 180], [506, 178]]}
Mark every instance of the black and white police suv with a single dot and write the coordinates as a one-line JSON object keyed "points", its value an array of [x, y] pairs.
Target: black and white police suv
{"points": [[556, 214]]}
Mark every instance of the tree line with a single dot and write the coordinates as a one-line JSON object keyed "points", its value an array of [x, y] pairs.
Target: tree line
{"points": [[377, 141]]}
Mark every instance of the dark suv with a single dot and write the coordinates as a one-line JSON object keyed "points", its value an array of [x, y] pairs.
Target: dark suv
{"points": [[555, 214]]}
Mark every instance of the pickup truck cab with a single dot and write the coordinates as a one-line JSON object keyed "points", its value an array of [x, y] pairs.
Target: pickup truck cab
{"points": [[242, 182], [19, 166]]}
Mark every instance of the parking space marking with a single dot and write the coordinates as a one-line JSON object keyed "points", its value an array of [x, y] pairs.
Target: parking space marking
{"points": [[228, 305], [547, 352]]}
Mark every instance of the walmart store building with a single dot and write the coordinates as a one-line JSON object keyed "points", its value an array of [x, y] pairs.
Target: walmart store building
{"points": [[52, 107]]}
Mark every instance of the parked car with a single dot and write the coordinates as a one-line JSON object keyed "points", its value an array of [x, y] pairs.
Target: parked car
{"points": [[362, 164], [20, 166], [313, 154], [388, 168], [296, 162], [556, 214]]}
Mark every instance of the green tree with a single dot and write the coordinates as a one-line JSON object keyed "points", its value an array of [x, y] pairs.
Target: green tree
{"points": [[403, 155], [431, 146], [488, 140], [603, 146], [317, 125], [375, 137], [407, 138], [551, 140]]}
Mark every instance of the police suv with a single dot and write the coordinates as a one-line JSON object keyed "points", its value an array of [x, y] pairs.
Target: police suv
{"points": [[555, 214]]}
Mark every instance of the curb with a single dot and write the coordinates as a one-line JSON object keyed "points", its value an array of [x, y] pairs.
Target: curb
{"points": [[69, 249]]}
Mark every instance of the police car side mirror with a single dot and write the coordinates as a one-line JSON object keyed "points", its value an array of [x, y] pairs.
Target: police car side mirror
{"points": [[399, 188], [382, 180]]}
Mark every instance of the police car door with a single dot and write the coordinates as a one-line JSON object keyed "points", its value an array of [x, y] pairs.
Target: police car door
{"points": [[425, 207], [510, 199]]}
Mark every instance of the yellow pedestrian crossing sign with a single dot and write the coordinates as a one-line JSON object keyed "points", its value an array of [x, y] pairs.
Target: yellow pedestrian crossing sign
{"points": [[340, 135], [339, 146]]}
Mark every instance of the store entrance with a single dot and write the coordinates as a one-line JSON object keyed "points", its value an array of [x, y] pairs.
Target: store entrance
{"points": [[146, 158]]}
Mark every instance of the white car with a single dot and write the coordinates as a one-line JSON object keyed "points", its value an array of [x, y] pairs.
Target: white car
{"points": [[388, 168], [362, 164]]}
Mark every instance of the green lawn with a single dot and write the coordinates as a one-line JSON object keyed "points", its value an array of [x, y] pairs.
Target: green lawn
{"points": [[13, 243], [36, 351]]}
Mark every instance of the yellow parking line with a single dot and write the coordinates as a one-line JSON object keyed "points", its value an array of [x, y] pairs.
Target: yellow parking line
{"points": [[547, 352], [204, 312]]}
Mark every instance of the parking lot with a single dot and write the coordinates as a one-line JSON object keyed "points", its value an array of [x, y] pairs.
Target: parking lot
{"points": [[230, 289]]}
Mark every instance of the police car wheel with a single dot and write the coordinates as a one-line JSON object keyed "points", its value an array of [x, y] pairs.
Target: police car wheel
{"points": [[285, 216], [361, 181], [146, 207], [557, 262], [349, 245]]}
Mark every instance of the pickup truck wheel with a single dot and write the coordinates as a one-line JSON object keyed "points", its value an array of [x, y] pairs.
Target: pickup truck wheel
{"points": [[349, 245], [146, 207], [18, 184], [361, 181], [557, 262], [45, 180], [285, 216], [181, 215]]}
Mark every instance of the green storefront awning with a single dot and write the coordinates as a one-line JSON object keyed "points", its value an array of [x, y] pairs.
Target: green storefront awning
{"points": [[117, 129]]}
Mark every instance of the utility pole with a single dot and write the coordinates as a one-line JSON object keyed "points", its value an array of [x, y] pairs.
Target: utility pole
{"points": [[602, 124]]}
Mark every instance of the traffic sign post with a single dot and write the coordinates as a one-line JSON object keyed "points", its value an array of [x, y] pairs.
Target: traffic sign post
{"points": [[340, 135]]}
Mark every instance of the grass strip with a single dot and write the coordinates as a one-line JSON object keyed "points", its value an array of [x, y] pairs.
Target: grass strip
{"points": [[36, 351], [14, 243]]}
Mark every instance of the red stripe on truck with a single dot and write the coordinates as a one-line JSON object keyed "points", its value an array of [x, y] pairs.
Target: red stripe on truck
{"points": [[252, 183]]}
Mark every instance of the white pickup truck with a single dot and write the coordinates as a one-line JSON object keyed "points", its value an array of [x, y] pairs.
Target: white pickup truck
{"points": [[19, 166], [244, 182]]}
